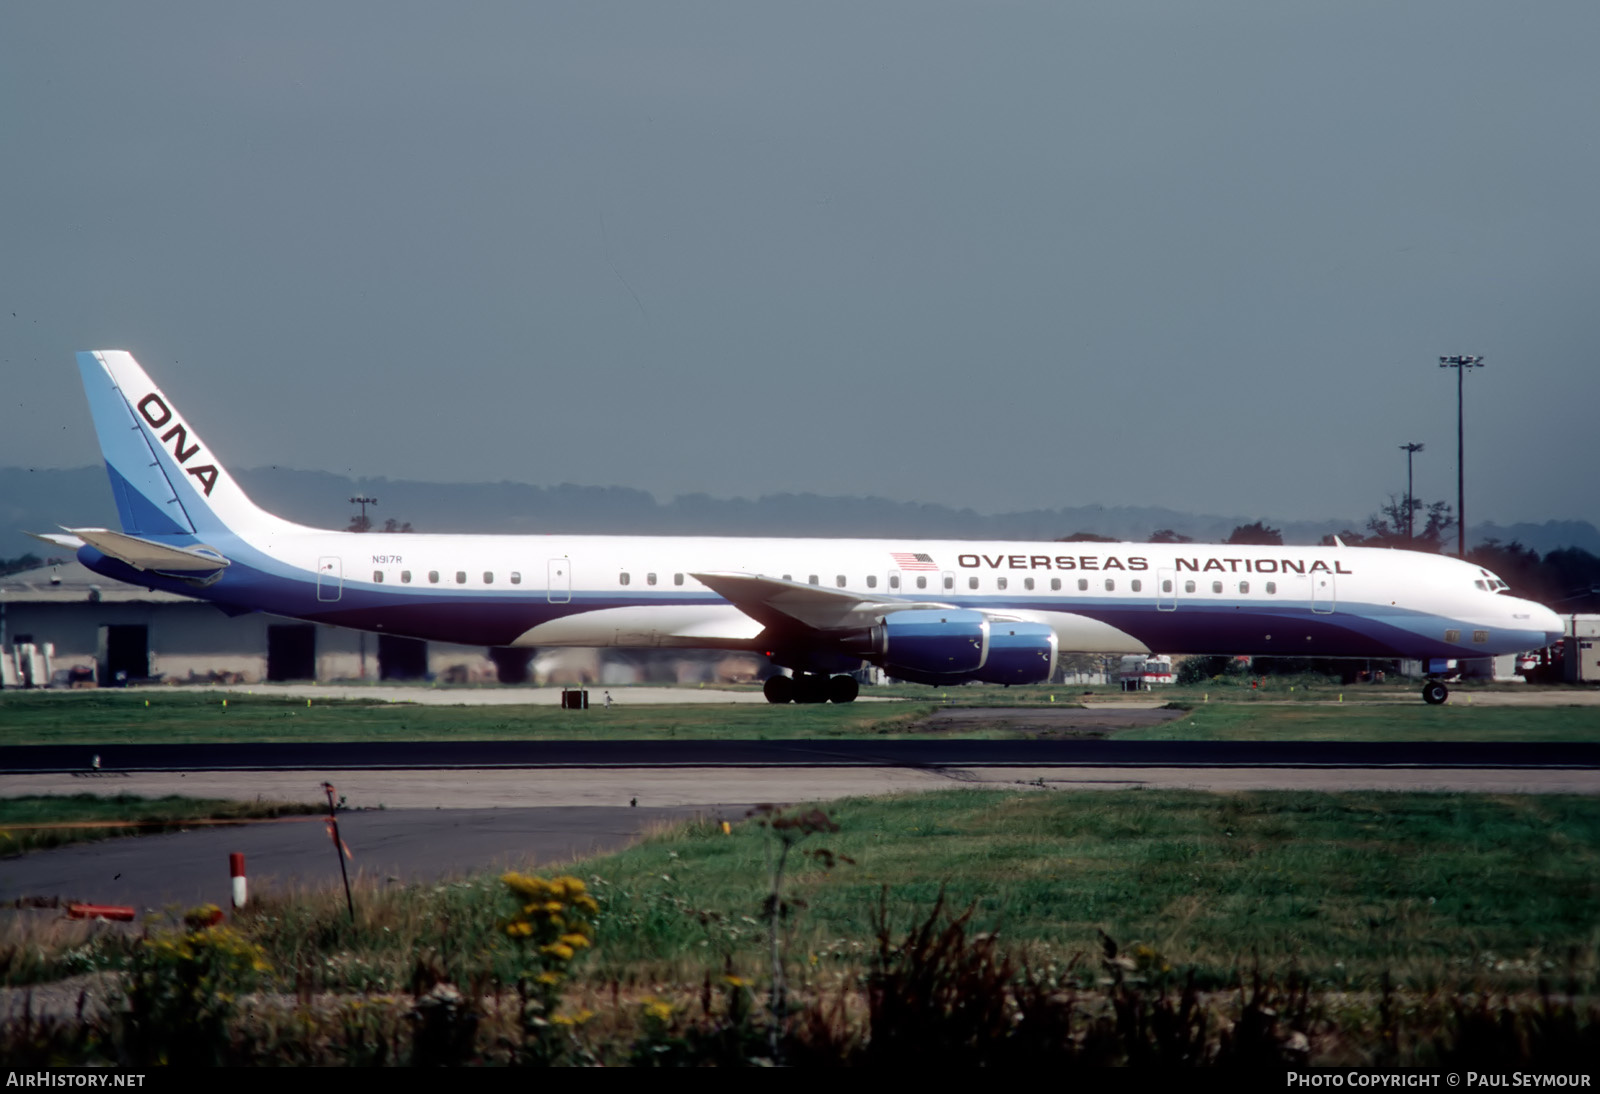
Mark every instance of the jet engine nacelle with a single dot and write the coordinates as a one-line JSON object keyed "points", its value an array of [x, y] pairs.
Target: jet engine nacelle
{"points": [[1019, 653], [942, 643]]}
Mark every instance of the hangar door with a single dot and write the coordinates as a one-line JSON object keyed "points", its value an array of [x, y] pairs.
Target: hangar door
{"points": [[292, 651], [124, 654], [401, 658]]}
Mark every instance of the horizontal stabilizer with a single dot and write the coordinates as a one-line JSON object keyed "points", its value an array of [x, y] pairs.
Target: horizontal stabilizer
{"points": [[147, 554], [57, 539]]}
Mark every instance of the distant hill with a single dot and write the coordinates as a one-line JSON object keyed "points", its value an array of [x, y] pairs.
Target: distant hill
{"points": [[41, 500]]}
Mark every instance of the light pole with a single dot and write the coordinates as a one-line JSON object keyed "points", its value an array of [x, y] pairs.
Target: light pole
{"points": [[1410, 450], [1461, 362]]}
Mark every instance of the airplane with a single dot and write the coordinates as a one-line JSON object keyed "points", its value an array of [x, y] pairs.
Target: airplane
{"points": [[933, 612]]}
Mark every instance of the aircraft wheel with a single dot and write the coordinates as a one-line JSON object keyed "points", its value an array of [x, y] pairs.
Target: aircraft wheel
{"points": [[1434, 693], [843, 689], [810, 688], [779, 689]]}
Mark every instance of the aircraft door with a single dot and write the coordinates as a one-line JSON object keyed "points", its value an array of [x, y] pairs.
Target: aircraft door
{"points": [[1166, 591], [1322, 593], [330, 578], [560, 585]]}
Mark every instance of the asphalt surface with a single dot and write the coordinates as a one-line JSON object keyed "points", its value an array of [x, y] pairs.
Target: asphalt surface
{"points": [[435, 755], [386, 847]]}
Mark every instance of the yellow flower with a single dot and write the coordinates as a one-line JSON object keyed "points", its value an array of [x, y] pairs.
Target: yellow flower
{"points": [[558, 950], [549, 978], [735, 981], [575, 941]]}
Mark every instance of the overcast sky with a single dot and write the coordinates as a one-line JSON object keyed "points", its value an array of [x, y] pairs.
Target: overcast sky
{"points": [[1000, 255]]}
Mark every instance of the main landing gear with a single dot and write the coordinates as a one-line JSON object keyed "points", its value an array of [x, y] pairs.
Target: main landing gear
{"points": [[811, 687], [1434, 693]]}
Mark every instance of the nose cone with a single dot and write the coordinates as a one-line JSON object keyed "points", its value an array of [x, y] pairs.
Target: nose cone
{"points": [[1541, 618], [1552, 623]]}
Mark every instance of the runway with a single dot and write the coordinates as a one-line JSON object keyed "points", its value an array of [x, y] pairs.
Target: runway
{"points": [[912, 753]]}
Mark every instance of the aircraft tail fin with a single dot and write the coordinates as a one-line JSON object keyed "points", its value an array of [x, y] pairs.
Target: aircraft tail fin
{"points": [[165, 480]]}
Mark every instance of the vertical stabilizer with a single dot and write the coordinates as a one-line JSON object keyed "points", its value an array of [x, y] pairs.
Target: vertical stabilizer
{"points": [[165, 479]]}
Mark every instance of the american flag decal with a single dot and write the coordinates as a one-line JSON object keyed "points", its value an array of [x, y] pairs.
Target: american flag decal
{"points": [[908, 561]]}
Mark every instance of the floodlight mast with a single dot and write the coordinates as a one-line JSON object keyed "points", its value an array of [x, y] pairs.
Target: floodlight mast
{"points": [[1410, 449], [1461, 362]]}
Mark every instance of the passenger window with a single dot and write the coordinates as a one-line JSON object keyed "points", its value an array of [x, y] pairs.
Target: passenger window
{"points": [[1188, 586], [1055, 584], [488, 577], [839, 581], [1272, 587], [677, 579], [972, 582], [1452, 636], [1244, 586], [813, 579], [1083, 584], [461, 577], [649, 579], [922, 582], [377, 575], [1216, 586], [1027, 583], [999, 583], [1166, 585], [1137, 585], [872, 581], [949, 581], [1480, 636], [894, 581], [433, 577], [1111, 585], [623, 578], [516, 577], [405, 577], [786, 577]]}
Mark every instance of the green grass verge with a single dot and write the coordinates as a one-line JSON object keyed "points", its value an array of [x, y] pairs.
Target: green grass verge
{"points": [[106, 717], [133, 816], [1435, 891], [1219, 721], [118, 717]]}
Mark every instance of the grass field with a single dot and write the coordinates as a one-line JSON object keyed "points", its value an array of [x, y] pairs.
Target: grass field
{"points": [[1450, 891], [1223, 721], [1391, 911], [112, 717]]}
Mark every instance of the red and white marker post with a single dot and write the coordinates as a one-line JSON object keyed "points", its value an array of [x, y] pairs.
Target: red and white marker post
{"points": [[241, 889]]}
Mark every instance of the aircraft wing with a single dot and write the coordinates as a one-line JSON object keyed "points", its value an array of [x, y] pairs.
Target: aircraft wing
{"points": [[781, 605], [147, 554]]}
